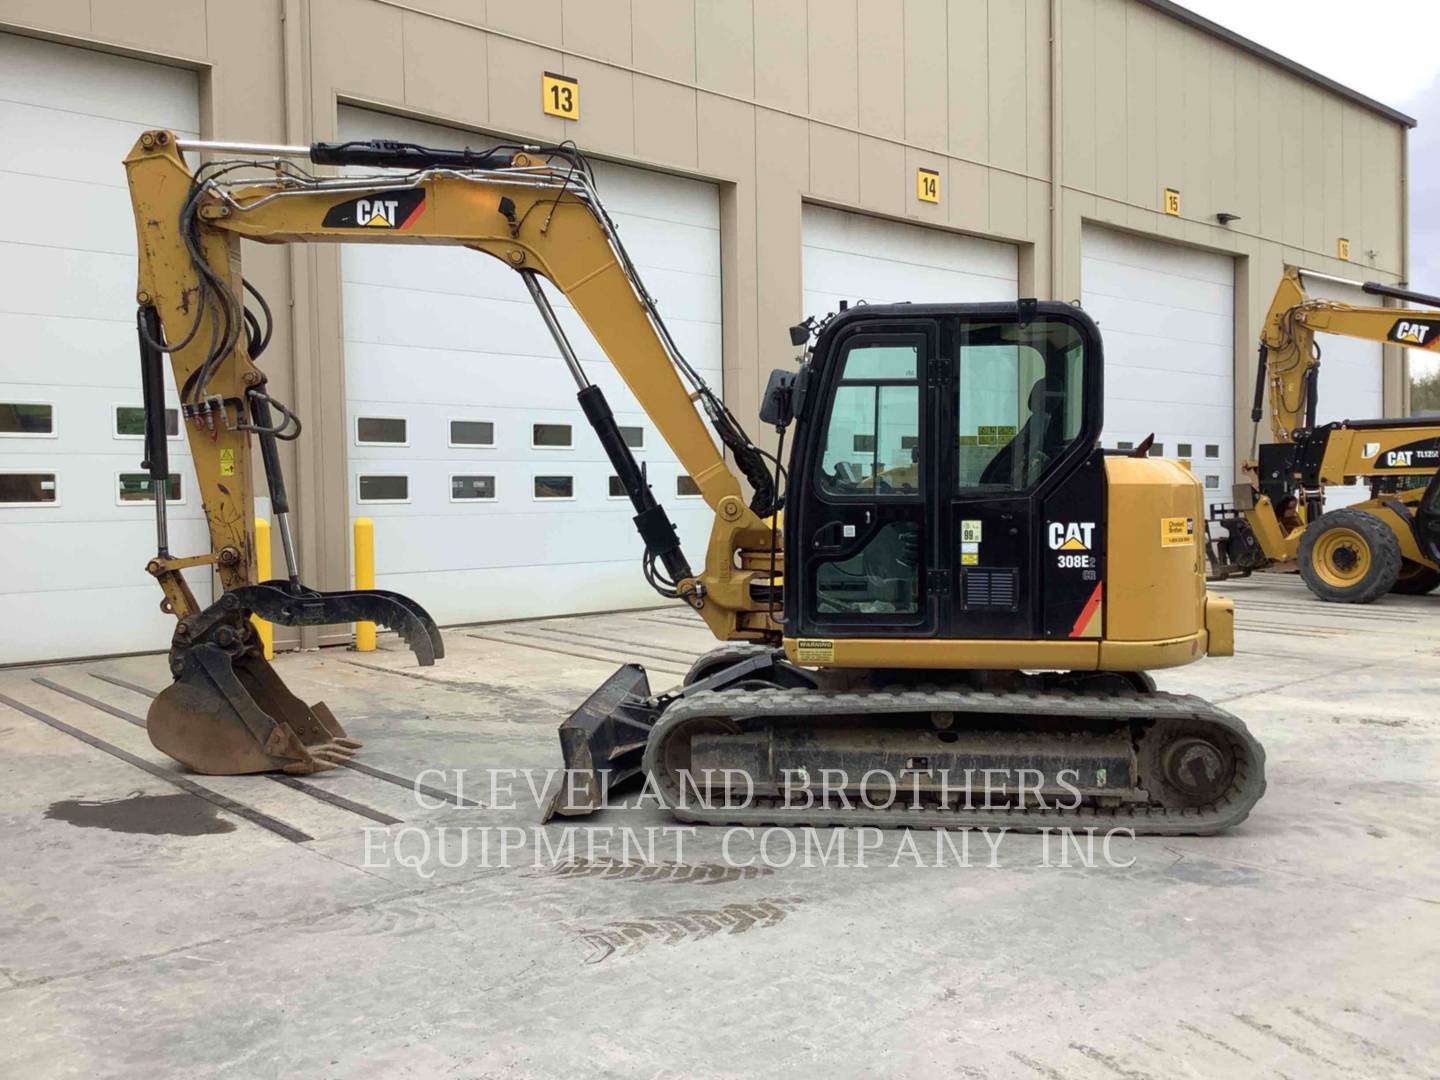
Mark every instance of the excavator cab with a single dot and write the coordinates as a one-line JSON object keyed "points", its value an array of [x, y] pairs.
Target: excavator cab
{"points": [[939, 444], [952, 532]]}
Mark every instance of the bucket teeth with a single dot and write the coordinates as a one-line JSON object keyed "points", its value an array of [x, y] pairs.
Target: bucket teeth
{"points": [[322, 757]]}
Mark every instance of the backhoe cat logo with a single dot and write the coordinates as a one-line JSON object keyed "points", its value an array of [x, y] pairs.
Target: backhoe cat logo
{"points": [[1415, 332], [1420, 454], [380, 210]]}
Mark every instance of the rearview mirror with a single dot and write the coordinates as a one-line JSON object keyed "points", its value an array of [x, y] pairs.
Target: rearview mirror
{"points": [[777, 407]]}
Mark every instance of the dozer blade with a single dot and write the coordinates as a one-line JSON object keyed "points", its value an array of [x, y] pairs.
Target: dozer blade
{"points": [[228, 712], [602, 743], [225, 715]]}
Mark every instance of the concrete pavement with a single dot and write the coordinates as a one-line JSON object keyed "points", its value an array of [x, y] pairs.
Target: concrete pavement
{"points": [[158, 924]]}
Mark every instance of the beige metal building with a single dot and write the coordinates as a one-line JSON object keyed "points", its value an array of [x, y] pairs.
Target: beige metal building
{"points": [[765, 159]]}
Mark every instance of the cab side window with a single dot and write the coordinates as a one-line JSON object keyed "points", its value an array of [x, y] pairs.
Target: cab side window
{"points": [[1021, 402], [872, 440]]}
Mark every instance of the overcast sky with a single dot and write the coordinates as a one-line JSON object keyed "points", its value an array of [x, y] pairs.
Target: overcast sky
{"points": [[1382, 48]]}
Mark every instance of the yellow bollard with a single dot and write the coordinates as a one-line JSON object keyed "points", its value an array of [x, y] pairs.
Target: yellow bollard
{"points": [[364, 578], [262, 573]]}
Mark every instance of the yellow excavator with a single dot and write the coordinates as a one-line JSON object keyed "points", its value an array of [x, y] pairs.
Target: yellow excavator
{"points": [[963, 602], [1389, 543]]}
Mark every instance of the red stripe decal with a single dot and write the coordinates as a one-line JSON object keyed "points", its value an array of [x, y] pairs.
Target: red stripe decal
{"points": [[1088, 611], [413, 215]]}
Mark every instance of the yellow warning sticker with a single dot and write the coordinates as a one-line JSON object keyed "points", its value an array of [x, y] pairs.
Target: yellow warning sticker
{"points": [[1177, 531], [969, 558], [227, 462], [814, 651], [995, 434]]}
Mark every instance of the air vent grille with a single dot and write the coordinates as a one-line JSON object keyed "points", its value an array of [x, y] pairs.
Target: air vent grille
{"points": [[989, 590]]}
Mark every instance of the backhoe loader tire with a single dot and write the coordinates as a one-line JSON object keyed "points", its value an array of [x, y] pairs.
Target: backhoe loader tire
{"points": [[1349, 557], [1416, 579]]}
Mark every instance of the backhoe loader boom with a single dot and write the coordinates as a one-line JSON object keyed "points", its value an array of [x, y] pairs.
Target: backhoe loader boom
{"points": [[1290, 359], [1284, 497]]}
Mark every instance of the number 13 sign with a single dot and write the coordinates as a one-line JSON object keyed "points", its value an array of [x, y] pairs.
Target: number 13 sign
{"points": [[560, 96]]}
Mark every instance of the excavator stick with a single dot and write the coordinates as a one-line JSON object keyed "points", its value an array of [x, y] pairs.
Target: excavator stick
{"points": [[228, 712]]}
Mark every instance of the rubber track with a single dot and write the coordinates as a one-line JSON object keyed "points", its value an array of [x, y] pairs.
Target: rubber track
{"points": [[810, 706]]}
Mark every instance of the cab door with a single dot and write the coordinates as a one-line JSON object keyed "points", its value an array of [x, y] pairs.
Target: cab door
{"points": [[1021, 495], [860, 516]]}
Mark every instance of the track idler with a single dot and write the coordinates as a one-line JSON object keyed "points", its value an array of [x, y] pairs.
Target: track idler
{"points": [[228, 712]]}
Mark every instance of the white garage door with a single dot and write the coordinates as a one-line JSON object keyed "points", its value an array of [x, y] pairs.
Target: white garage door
{"points": [[854, 257], [490, 494], [76, 523], [1352, 377], [1167, 317]]}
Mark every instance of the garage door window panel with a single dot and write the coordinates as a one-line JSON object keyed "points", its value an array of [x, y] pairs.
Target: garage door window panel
{"points": [[27, 420], [382, 488], [382, 431], [552, 437], [555, 487], [1021, 402], [130, 422], [137, 488], [471, 433], [472, 488], [27, 488]]}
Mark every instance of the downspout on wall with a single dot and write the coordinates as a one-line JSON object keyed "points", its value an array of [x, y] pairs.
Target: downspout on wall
{"points": [[1056, 212]]}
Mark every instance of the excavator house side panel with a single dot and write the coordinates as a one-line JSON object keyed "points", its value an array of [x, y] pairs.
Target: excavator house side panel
{"points": [[1156, 556]]}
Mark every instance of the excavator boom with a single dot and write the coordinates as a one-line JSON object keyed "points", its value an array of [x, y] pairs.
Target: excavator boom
{"points": [[534, 209]]}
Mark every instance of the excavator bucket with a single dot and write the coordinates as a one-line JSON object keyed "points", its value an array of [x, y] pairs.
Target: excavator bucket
{"points": [[226, 715], [228, 712]]}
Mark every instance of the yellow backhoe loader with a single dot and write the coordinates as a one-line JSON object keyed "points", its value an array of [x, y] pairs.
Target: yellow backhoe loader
{"points": [[966, 597], [1389, 543]]}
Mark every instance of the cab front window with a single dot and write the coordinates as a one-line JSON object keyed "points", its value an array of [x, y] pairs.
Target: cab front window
{"points": [[872, 441]]}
